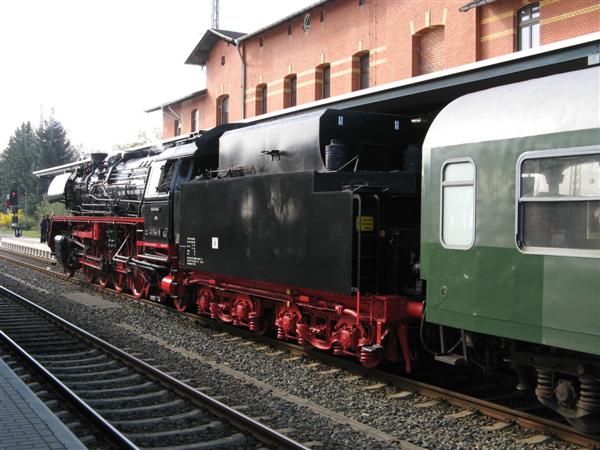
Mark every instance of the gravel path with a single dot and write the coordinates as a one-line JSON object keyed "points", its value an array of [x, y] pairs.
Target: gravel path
{"points": [[286, 393]]}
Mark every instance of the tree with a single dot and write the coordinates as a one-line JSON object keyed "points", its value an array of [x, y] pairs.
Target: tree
{"points": [[53, 149], [17, 164], [30, 150], [142, 138]]}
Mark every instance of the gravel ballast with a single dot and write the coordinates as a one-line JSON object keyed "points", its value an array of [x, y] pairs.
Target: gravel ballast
{"points": [[291, 394]]}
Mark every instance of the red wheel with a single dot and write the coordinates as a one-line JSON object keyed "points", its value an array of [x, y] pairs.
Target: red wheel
{"points": [[139, 284], [204, 298], [104, 279], [89, 274], [120, 281], [184, 303]]}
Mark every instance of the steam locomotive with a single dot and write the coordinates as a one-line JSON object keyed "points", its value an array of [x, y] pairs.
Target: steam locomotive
{"points": [[371, 235]]}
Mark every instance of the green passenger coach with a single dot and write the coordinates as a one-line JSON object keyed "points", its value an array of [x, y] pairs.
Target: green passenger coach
{"points": [[510, 245]]}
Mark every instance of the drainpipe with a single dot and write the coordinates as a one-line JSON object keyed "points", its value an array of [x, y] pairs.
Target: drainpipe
{"points": [[243, 60]]}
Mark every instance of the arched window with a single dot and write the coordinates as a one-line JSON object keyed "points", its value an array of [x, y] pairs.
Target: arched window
{"points": [[528, 27], [290, 91], [176, 127], [261, 99], [223, 110], [323, 85], [360, 71], [428, 51], [195, 120]]}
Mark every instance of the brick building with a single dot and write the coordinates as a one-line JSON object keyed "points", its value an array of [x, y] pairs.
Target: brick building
{"points": [[334, 47]]}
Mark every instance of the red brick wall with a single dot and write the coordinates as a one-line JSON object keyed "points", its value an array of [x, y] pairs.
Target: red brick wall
{"points": [[566, 19], [184, 110], [559, 19], [222, 80], [431, 50], [391, 31], [382, 28]]}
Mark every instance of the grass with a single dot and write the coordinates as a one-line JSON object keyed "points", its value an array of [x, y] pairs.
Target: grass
{"points": [[7, 231]]}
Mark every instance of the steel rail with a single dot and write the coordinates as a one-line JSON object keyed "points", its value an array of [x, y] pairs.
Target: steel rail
{"points": [[527, 420], [239, 420], [80, 405]]}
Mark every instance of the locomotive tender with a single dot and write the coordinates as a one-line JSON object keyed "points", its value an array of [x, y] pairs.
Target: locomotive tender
{"points": [[324, 227]]}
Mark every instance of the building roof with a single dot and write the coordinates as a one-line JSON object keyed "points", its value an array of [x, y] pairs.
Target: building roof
{"points": [[200, 53], [199, 93], [282, 20]]}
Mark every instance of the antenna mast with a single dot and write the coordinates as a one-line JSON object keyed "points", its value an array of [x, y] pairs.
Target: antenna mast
{"points": [[215, 14]]}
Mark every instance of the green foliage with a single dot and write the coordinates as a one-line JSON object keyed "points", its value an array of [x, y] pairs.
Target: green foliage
{"points": [[47, 208], [30, 150], [53, 149], [142, 138], [17, 162]]}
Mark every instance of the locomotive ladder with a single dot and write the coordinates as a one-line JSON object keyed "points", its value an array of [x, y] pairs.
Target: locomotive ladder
{"points": [[367, 242]]}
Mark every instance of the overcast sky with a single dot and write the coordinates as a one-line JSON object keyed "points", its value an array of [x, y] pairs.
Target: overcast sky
{"points": [[100, 64]]}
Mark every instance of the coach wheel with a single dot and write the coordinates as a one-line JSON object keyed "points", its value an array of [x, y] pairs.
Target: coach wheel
{"points": [[89, 274], [104, 279], [120, 281], [184, 303], [139, 284]]}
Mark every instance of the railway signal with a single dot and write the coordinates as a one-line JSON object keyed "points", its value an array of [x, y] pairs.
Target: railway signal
{"points": [[13, 197]]}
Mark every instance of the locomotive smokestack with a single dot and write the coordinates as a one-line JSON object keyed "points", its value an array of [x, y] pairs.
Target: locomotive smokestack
{"points": [[97, 158]]}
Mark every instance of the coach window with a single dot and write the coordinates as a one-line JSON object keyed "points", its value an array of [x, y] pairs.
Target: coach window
{"points": [[457, 222], [528, 27], [558, 203]]}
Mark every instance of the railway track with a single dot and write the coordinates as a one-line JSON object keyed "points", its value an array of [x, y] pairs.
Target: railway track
{"points": [[498, 410], [84, 429], [133, 403]]}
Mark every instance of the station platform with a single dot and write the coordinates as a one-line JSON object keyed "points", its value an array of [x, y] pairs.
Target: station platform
{"points": [[26, 422], [28, 246]]}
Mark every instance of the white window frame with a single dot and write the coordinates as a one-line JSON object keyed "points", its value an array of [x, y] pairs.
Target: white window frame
{"points": [[457, 184], [153, 179], [541, 154]]}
